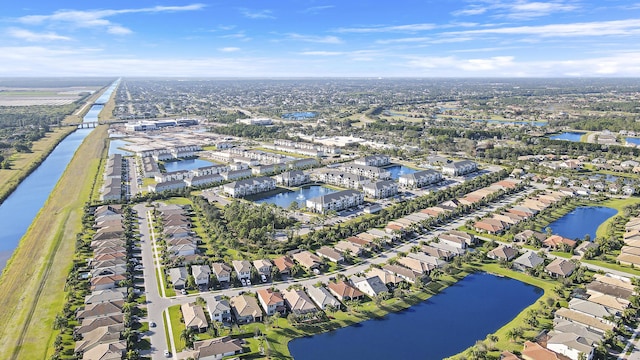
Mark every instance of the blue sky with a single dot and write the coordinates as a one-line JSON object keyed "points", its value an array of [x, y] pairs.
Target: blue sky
{"points": [[287, 38]]}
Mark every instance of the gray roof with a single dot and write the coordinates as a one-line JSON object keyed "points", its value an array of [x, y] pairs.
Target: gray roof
{"points": [[529, 259], [334, 196]]}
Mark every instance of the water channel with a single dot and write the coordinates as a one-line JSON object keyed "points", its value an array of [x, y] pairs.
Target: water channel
{"points": [[444, 325], [21, 207], [582, 221]]}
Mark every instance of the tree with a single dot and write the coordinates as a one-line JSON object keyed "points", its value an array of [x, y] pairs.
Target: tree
{"points": [[188, 337]]}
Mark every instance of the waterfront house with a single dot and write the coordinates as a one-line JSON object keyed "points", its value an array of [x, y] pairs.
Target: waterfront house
{"points": [[371, 172], [271, 301], [345, 291], [388, 277], [336, 201], [371, 285], [560, 268], [373, 160], [292, 178], [298, 302], [556, 241], [399, 272], [502, 252], [322, 297], [535, 351], [245, 309], [215, 349], [587, 321], [528, 260]]}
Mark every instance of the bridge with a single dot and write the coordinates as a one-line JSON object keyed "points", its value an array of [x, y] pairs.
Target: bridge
{"points": [[91, 124]]}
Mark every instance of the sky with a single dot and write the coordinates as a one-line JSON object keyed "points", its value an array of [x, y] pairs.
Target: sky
{"points": [[324, 38]]}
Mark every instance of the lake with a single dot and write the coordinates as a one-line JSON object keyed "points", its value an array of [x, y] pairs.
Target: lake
{"points": [[399, 170], [568, 136], [284, 199], [116, 145], [444, 325], [186, 164], [581, 221]]}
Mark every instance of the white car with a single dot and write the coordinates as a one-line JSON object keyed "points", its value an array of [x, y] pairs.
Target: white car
{"points": [[167, 353]]}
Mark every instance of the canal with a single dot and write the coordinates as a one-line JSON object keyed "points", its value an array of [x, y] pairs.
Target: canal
{"points": [[444, 325], [20, 208]]}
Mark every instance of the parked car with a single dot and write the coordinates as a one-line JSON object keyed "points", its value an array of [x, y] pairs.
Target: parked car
{"points": [[152, 324]]}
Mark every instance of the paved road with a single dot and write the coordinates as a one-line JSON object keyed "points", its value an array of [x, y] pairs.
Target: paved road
{"points": [[156, 304]]}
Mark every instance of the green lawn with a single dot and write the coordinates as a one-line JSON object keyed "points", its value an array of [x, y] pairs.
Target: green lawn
{"points": [[175, 314]]}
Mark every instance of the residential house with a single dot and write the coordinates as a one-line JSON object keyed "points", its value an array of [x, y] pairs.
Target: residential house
{"points": [[106, 351], [587, 321], [307, 260], [490, 226], [178, 277], [345, 246], [330, 254], [194, 317], [528, 260], [556, 241], [242, 268], [106, 308], [201, 274], [219, 310], [453, 241], [371, 286], [264, 266], [526, 235], [571, 346], [218, 348], [298, 302], [560, 268], [322, 297], [222, 271], [345, 291], [245, 309], [502, 252], [271, 301], [535, 351], [399, 272], [101, 335], [284, 265]]}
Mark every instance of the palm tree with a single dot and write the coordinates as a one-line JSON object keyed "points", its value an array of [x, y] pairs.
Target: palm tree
{"points": [[187, 336]]}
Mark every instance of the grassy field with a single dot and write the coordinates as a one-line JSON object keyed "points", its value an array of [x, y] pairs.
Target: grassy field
{"points": [[33, 281]]}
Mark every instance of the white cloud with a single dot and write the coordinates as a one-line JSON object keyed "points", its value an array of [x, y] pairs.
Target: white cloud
{"points": [[257, 14], [96, 18], [519, 9], [316, 9], [30, 36], [585, 29], [381, 29], [315, 39], [229, 49]]}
